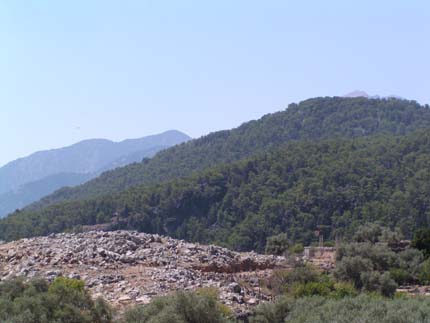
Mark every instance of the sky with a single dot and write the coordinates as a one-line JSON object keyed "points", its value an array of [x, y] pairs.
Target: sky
{"points": [[73, 70]]}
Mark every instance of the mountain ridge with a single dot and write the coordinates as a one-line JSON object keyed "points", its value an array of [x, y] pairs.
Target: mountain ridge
{"points": [[315, 118], [73, 165]]}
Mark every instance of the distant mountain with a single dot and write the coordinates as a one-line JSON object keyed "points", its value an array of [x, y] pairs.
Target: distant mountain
{"points": [[356, 94], [313, 119], [30, 192], [26, 180]]}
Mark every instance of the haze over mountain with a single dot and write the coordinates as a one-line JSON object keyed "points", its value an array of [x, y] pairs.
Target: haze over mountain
{"points": [[27, 179]]}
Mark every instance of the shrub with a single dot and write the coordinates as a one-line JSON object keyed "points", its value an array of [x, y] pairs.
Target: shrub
{"points": [[324, 287], [368, 233], [374, 232], [38, 302], [68, 284], [274, 312], [342, 290], [213, 292], [302, 274], [281, 280], [312, 289], [400, 276], [297, 248], [363, 309], [278, 282], [424, 274], [350, 269], [181, 307], [277, 245], [381, 257], [421, 241], [373, 281], [411, 261]]}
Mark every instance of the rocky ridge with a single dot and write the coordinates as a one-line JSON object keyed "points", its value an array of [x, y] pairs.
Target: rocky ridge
{"points": [[127, 267]]}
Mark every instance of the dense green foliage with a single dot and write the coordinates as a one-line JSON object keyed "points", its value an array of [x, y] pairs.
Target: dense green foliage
{"points": [[312, 119], [37, 301], [361, 309], [367, 308], [182, 307], [333, 185], [374, 264], [277, 245], [305, 280], [368, 271], [377, 264], [421, 241]]}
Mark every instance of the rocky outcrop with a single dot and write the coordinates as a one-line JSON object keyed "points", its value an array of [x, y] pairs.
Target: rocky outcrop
{"points": [[129, 267]]}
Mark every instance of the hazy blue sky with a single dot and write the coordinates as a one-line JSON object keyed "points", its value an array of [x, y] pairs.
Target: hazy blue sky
{"points": [[71, 70]]}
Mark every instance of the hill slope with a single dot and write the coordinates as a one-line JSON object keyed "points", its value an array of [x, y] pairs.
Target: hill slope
{"points": [[332, 185], [313, 119]]}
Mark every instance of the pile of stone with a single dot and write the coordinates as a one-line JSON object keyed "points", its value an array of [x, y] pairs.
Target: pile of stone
{"points": [[131, 268]]}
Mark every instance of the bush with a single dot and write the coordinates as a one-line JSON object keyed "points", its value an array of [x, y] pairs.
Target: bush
{"points": [[350, 269], [297, 248], [68, 284], [368, 233], [375, 267], [277, 245], [400, 276], [181, 307], [373, 281], [424, 274], [374, 232], [213, 292], [312, 289], [421, 241], [302, 274], [274, 312], [363, 309], [411, 261], [382, 258], [324, 287], [281, 280], [36, 301], [277, 282], [342, 290]]}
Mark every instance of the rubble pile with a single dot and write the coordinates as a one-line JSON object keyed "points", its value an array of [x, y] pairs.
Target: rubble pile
{"points": [[128, 267]]}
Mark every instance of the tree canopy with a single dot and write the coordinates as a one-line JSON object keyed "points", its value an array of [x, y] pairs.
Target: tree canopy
{"points": [[333, 186], [313, 119]]}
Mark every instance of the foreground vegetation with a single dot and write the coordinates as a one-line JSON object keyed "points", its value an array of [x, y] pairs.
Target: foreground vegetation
{"points": [[37, 301], [362, 288], [306, 297], [361, 309]]}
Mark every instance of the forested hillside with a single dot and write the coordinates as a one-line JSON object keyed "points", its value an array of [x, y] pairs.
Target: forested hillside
{"points": [[313, 119], [332, 185]]}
